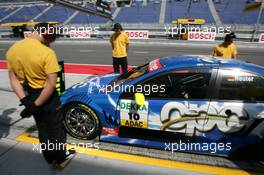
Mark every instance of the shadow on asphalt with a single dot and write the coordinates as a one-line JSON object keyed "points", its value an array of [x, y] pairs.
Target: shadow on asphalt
{"points": [[5, 121]]}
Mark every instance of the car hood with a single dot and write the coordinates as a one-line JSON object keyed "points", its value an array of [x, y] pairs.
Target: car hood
{"points": [[91, 85]]}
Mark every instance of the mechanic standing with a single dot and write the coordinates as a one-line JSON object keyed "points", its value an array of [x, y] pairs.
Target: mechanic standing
{"points": [[120, 44], [227, 49], [33, 68]]}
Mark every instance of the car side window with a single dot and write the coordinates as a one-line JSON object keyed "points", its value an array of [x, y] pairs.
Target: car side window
{"points": [[190, 84], [181, 84], [240, 85], [156, 87]]}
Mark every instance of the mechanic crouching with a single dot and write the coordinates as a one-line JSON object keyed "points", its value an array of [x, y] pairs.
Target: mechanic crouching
{"points": [[33, 68]]}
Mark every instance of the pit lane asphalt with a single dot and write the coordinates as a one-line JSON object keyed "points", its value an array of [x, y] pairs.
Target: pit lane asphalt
{"points": [[18, 156], [12, 154], [100, 52]]}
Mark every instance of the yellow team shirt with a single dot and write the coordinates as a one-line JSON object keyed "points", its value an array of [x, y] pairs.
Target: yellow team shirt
{"points": [[119, 43], [225, 51], [31, 59]]}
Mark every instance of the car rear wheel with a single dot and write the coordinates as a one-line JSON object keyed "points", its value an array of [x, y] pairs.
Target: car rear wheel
{"points": [[81, 121]]}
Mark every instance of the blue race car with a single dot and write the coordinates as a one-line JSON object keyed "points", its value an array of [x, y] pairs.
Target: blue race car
{"points": [[180, 103]]}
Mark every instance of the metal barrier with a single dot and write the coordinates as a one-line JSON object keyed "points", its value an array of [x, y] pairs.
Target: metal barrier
{"points": [[243, 32]]}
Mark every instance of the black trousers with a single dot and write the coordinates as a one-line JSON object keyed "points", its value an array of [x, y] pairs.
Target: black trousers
{"points": [[49, 120], [117, 62]]}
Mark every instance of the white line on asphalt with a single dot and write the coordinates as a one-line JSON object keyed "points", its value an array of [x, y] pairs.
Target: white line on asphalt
{"points": [[83, 64], [86, 51], [79, 64], [248, 45], [141, 52]]}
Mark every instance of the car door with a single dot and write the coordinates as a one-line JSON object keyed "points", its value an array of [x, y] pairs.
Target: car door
{"points": [[237, 105], [175, 101]]}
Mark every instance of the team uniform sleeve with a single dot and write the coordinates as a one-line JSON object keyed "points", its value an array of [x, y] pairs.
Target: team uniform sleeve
{"points": [[234, 50], [214, 51], [51, 63], [126, 39], [9, 66]]}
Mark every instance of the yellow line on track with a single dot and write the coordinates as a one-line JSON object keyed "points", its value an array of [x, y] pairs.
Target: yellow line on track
{"points": [[25, 137]]}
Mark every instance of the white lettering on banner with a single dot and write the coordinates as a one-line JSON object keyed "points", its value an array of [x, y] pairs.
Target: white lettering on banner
{"points": [[80, 34], [137, 34], [201, 36], [261, 38], [27, 34]]}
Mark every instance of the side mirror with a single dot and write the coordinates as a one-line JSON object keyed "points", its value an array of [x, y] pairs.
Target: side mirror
{"points": [[139, 99]]}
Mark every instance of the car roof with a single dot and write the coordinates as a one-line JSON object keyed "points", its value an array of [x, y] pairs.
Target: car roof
{"points": [[203, 60]]}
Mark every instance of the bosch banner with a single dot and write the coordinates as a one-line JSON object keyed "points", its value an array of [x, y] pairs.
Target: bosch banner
{"points": [[201, 36], [80, 35], [137, 34]]}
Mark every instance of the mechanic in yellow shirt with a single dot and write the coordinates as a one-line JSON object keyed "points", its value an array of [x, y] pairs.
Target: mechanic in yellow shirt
{"points": [[227, 49], [33, 68], [120, 44]]}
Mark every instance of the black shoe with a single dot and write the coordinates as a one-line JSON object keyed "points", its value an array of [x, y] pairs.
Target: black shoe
{"points": [[70, 154]]}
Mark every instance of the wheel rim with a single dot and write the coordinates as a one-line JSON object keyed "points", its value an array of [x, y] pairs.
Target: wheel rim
{"points": [[80, 122]]}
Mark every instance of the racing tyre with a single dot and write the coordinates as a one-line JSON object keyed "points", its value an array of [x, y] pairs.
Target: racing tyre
{"points": [[81, 121]]}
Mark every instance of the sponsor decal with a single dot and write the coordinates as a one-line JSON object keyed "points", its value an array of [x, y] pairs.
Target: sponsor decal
{"points": [[176, 116], [133, 115], [201, 36], [245, 78], [128, 106], [80, 34], [154, 65], [110, 131], [241, 78], [137, 34], [231, 78]]}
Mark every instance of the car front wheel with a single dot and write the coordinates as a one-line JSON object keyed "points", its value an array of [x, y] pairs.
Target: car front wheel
{"points": [[81, 121]]}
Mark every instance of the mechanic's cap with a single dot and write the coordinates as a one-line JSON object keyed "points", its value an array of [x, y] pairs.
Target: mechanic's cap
{"points": [[230, 36], [117, 26], [48, 31]]}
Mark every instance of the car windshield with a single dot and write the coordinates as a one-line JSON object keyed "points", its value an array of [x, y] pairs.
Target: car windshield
{"points": [[132, 74]]}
